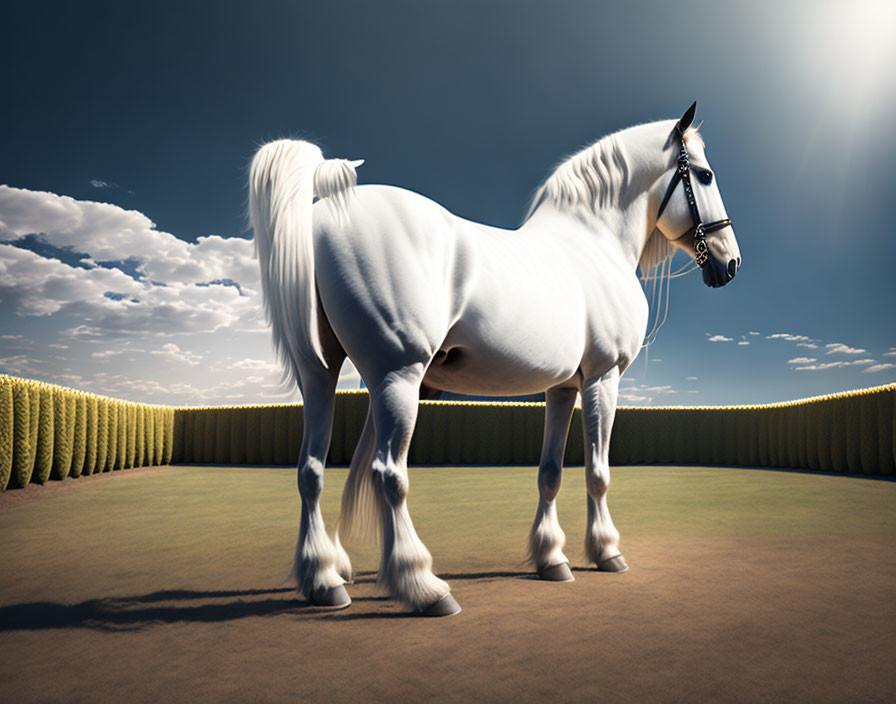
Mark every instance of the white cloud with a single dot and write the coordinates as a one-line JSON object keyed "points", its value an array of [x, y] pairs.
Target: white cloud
{"points": [[818, 367], [96, 183], [753, 333], [743, 342], [75, 380], [834, 365], [891, 353], [34, 285], [634, 398], [879, 367], [108, 354], [109, 233], [692, 378], [212, 258], [159, 310], [837, 348], [174, 353], [18, 365], [102, 230], [640, 394], [720, 338], [108, 320], [801, 360], [788, 336], [808, 345], [256, 365], [173, 297]]}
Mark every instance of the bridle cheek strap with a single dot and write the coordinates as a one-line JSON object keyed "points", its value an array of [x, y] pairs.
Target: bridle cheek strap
{"points": [[701, 229]]}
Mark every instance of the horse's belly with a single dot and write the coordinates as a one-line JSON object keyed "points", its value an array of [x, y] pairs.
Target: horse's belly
{"points": [[464, 372], [519, 331], [503, 362]]}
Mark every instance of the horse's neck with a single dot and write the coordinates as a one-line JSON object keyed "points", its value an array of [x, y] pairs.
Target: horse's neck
{"points": [[622, 228], [624, 221]]}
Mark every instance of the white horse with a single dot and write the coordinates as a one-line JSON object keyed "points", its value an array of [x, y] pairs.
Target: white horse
{"points": [[423, 301]]}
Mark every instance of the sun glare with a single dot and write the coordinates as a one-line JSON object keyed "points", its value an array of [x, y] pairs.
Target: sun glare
{"points": [[850, 64], [860, 36]]}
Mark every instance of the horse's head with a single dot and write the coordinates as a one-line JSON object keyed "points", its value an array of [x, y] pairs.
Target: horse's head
{"points": [[691, 213]]}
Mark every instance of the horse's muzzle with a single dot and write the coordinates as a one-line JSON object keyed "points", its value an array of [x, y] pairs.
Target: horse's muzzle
{"points": [[716, 274]]}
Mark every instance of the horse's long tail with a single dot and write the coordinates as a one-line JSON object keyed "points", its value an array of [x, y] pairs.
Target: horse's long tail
{"points": [[284, 178], [360, 515]]}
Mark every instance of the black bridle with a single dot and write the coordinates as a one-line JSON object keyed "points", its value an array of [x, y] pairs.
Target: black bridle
{"points": [[701, 229]]}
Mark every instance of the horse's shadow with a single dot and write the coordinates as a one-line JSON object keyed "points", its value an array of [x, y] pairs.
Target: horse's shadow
{"points": [[137, 612], [134, 613]]}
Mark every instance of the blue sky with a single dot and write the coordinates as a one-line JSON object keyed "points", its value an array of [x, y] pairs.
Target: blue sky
{"points": [[127, 128]]}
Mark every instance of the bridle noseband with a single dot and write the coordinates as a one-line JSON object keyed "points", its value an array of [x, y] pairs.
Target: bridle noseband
{"points": [[701, 229]]}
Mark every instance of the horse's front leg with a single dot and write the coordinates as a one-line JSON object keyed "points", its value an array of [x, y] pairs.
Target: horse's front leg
{"points": [[546, 539], [599, 395]]}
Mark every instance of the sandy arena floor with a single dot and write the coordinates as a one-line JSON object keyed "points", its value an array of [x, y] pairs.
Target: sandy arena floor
{"points": [[168, 585]]}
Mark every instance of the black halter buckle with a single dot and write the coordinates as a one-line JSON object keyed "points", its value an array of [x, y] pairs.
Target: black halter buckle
{"points": [[702, 254]]}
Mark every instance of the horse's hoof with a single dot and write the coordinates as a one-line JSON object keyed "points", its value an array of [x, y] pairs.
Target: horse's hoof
{"points": [[614, 564], [557, 573], [446, 606], [332, 597]]}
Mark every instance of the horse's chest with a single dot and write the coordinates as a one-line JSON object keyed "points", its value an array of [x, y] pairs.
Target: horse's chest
{"points": [[616, 324]]}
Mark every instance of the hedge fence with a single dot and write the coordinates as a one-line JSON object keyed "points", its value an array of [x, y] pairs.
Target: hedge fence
{"points": [[48, 432], [851, 432]]}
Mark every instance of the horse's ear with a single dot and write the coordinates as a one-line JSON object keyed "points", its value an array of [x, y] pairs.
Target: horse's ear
{"points": [[687, 119]]}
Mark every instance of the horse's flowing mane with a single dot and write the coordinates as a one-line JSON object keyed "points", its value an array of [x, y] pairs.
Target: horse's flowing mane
{"points": [[590, 179], [595, 177]]}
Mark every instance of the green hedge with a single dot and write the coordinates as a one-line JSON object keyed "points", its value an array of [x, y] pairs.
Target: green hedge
{"points": [[168, 436], [111, 436], [140, 438], [63, 433], [121, 458], [849, 432], [237, 435], [46, 435], [23, 446], [92, 427], [79, 449], [47, 430], [7, 429]]}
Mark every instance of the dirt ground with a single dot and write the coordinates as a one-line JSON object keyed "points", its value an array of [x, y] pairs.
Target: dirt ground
{"points": [[167, 585]]}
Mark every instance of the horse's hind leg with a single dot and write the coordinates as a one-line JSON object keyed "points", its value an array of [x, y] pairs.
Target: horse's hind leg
{"points": [[546, 539], [406, 565], [598, 411], [321, 567]]}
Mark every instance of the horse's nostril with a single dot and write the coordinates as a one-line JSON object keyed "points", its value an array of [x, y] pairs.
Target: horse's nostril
{"points": [[732, 268]]}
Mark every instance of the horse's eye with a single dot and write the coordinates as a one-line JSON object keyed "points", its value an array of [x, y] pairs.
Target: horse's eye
{"points": [[705, 176]]}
